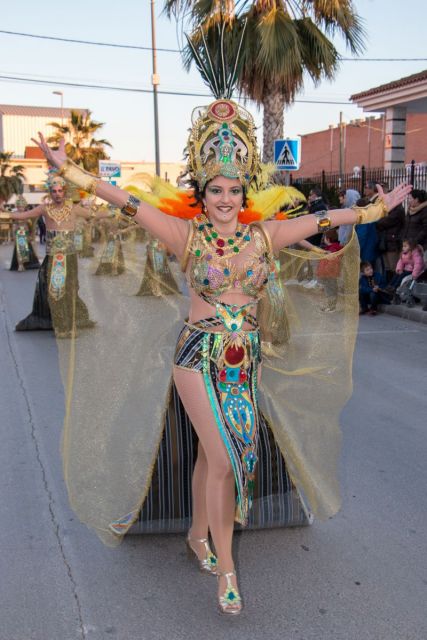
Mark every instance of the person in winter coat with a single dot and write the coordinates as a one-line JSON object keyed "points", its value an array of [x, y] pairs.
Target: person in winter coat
{"points": [[415, 228], [347, 198], [389, 231], [367, 234], [316, 203], [411, 263], [371, 290]]}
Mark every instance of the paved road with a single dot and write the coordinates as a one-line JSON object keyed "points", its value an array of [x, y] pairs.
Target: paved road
{"points": [[362, 574]]}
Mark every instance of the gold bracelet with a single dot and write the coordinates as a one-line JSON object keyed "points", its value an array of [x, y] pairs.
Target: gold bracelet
{"points": [[78, 176], [371, 213]]}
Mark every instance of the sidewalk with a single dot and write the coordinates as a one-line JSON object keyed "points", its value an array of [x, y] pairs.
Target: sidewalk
{"points": [[402, 311]]}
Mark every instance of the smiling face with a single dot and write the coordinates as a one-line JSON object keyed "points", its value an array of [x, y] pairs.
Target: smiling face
{"points": [[57, 194], [223, 200]]}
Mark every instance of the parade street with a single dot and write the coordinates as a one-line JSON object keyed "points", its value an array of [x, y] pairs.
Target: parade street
{"points": [[361, 575]]}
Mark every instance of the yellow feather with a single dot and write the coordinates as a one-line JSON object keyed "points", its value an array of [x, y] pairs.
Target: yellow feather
{"points": [[271, 200]]}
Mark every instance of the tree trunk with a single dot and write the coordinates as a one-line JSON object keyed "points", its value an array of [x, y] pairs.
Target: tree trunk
{"points": [[273, 120]]}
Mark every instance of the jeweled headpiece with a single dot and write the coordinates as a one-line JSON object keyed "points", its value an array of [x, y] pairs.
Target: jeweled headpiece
{"points": [[222, 140], [53, 179]]}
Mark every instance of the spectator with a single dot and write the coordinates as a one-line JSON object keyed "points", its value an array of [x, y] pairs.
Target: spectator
{"points": [[371, 290], [390, 230], [328, 270], [316, 202], [415, 228], [410, 264], [347, 198], [367, 234]]}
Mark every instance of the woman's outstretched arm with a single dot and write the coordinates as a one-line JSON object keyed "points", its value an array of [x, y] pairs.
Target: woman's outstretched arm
{"points": [[286, 232], [172, 231]]}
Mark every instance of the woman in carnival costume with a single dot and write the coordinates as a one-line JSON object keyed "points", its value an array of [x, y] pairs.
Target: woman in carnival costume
{"points": [[240, 402], [24, 256], [56, 301]]}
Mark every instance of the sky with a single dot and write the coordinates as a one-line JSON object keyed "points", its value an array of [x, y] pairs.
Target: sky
{"points": [[392, 32]]}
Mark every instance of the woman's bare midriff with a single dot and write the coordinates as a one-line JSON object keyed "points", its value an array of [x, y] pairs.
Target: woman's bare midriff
{"points": [[200, 309]]}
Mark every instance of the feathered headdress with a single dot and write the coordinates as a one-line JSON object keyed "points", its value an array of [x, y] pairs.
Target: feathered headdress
{"points": [[222, 139]]}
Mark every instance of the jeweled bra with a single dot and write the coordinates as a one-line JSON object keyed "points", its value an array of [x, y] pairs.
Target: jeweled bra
{"points": [[212, 273]]}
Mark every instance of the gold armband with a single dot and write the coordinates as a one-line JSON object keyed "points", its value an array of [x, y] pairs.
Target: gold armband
{"points": [[78, 176], [371, 213]]}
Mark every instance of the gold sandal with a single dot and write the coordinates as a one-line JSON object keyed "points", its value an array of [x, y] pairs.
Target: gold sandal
{"points": [[209, 564], [230, 602]]}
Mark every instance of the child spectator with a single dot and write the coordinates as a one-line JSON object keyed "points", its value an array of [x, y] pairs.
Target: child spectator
{"points": [[371, 290], [409, 266], [410, 263], [328, 270]]}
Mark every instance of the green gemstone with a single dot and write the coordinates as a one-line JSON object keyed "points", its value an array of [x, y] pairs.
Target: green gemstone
{"points": [[214, 234], [201, 227], [236, 249], [198, 252], [208, 239], [230, 241]]}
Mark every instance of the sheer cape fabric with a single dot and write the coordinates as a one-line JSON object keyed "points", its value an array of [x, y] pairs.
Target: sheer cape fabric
{"points": [[117, 379]]}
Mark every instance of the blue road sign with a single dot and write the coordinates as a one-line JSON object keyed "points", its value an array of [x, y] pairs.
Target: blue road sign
{"points": [[287, 154]]}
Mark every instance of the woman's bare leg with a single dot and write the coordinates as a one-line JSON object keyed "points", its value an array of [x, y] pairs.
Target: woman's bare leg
{"points": [[200, 526], [220, 484]]}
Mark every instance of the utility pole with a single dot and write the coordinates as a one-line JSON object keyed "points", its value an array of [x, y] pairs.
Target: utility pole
{"points": [[155, 81], [341, 148]]}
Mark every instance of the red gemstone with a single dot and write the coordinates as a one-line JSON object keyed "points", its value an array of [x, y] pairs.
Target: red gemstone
{"points": [[242, 376], [220, 252], [234, 355], [220, 242], [223, 375]]}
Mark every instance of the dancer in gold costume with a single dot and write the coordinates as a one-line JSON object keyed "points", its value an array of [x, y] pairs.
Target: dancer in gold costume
{"points": [[56, 303], [24, 256], [238, 400]]}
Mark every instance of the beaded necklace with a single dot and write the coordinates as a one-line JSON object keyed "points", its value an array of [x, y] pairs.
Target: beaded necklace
{"points": [[224, 246], [59, 214]]}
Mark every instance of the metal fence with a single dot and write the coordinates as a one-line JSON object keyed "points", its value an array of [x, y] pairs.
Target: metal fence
{"points": [[332, 183]]}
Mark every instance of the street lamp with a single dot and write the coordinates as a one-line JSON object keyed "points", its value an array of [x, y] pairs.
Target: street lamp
{"points": [[59, 93], [155, 82]]}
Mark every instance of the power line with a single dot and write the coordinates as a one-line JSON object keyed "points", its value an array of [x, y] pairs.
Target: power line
{"points": [[81, 85], [90, 42], [140, 48]]}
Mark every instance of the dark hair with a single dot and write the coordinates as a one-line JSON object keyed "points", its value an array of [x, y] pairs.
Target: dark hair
{"points": [[364, 264], [199, 194], [419, 194], [331, 235], [342, 193], [317, 191], [413, 244], [371, 185]]}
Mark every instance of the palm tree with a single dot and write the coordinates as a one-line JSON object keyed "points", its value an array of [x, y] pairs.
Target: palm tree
{"points": [[80, 146], [283, 40], [11, 177]]}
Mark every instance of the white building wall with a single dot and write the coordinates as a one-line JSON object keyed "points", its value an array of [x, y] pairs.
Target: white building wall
{"points": [[18, 131]]}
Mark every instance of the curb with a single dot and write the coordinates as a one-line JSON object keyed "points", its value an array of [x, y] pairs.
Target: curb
{"points": [[416, 314]]}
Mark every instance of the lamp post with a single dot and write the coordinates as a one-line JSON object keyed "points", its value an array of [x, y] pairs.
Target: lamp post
{"points": [[59, 93], [155, 80]]}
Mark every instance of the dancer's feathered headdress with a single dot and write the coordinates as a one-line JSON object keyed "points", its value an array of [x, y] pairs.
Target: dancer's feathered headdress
{"points": [[222, 140]]}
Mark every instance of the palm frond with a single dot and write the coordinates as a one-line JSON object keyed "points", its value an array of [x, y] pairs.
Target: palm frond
{"points": [[216, 52]]}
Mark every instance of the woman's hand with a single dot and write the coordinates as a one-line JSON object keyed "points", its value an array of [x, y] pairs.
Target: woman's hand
{"points": [[395, 197], [55, 158]]}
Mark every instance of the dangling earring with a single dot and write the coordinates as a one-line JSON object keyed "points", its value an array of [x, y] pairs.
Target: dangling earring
{"points": [[204, 209], [242, 208]]}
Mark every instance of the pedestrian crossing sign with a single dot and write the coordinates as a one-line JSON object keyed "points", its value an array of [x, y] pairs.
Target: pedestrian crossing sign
{"points": [[287, 154]]}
